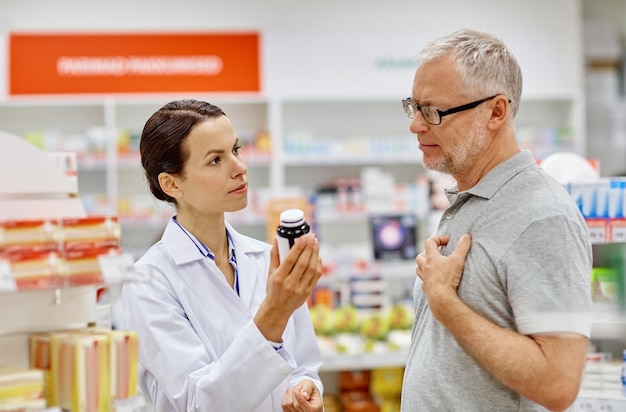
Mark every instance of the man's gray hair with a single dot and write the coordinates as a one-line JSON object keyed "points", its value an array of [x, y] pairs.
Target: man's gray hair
{"points": [[486, 65]]}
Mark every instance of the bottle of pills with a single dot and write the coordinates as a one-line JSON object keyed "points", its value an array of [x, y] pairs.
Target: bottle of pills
{"points": [[292, 226]]}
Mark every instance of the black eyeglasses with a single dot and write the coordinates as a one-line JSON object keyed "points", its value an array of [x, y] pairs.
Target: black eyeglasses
{"points": [[432, 115]]}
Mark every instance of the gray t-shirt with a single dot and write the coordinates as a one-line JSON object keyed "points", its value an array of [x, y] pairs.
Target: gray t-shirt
{"points": [[528, 270]]}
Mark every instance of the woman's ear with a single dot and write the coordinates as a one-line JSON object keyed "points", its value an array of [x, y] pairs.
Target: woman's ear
{"points": [[169, 185]]}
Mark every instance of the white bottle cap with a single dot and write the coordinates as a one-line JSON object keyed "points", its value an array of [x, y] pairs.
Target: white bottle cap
{"points": [[292, 217]]}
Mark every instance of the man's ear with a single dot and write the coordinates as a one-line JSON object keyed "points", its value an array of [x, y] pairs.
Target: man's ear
{"points": [[500, 109], [169, 185]]}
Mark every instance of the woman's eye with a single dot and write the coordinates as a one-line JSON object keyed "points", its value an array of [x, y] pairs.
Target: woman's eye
{"points": [[215, 161], [237, 148]]}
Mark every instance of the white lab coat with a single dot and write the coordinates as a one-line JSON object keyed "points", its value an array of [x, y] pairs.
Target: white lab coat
{"points": [[199, 348]]}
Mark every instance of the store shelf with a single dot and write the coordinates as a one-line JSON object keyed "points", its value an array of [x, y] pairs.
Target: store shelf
{"points": [[362, 361], [293, 160], [609, 322], [56, 290], [44, 191], [47, 309], [398, 270], [591, 402]]}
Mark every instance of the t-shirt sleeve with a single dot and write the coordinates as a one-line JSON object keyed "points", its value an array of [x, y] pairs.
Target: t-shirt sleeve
{"points": [[548, 277]]}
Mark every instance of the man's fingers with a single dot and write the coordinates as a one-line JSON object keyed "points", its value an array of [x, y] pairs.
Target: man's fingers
{"points": [[433, 243], [463, 247]]}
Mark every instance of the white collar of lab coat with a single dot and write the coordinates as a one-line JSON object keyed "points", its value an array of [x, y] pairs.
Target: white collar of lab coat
{"points": [[182, 249]]}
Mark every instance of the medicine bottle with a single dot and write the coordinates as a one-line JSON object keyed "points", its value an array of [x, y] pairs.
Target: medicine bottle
{"points": [[292, 226]]}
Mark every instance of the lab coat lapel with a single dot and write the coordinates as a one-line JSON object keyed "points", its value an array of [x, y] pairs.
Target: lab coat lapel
{"points": [[252, 264], [178, 245], [248, 273]]}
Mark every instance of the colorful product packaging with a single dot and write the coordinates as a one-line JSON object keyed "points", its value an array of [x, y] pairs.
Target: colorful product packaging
{"points": [[82, 266], [43, 347], [84, 361], [35, 269], [18, 386], [86, 370], [90, 232], [124, 364], [19, 236]]}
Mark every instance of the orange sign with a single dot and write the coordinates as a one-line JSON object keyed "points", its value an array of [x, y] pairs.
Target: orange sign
{"points": [[133, 63]]}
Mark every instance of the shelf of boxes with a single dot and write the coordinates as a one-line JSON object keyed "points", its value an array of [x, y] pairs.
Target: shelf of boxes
{"points": [[53, 261]]}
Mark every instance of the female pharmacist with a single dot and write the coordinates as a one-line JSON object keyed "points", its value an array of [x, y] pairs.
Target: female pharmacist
{"points": [[222, 324]]}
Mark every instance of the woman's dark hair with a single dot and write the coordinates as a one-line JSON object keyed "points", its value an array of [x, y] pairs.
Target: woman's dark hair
{"points": [[161, 145]]}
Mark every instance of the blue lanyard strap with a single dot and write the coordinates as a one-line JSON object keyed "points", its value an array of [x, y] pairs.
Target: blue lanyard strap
{"points": [[232, 259], [206, 252]]}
